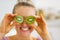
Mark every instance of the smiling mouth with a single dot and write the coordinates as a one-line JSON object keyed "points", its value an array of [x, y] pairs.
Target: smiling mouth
{"points": [[24, 29]]}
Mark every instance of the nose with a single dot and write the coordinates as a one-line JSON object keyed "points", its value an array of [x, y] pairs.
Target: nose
{"points": [[24, 24]]}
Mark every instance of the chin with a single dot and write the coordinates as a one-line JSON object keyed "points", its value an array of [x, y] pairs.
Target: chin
{"points": [[24, 31]]}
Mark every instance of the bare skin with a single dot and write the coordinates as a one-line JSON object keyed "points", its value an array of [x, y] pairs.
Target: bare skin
{"points": [[24, 35]]}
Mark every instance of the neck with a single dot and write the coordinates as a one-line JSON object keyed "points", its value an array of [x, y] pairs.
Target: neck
{"points": [[19, 37]]}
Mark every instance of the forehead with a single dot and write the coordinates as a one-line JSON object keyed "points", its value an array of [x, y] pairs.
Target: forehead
{"points": [[25, 11]]}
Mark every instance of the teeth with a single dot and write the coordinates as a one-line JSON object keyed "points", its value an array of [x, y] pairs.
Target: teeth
{"points": [[24, 28]]}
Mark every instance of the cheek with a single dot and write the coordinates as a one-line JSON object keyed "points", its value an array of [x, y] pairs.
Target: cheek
{"points": [[31, 29], [17, 26]]}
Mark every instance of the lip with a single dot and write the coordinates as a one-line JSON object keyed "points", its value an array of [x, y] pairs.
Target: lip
{"points": [[25, 29]]}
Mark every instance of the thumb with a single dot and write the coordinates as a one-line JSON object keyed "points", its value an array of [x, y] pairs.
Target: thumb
{"points": [[37, 28]]}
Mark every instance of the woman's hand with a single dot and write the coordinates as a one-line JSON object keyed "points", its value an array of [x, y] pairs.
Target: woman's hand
{"points": [[41, 23], [42, 28], [7, 23]]}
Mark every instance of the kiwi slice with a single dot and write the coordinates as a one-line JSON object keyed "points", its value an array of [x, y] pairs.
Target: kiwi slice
{"points": [[18, 19], [30, 19]]}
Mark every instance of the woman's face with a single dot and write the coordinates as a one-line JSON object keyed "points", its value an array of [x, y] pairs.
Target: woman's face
{"points": [[24, 29]]}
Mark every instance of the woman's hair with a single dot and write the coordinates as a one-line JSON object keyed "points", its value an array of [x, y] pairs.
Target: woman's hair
{"points": [[22, 4]]}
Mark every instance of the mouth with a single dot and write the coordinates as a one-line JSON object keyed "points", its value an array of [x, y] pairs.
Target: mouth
{"points": [[25, 29]]}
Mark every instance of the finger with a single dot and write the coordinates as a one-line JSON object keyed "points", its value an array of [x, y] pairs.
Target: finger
{"points": [[6, 18], [36, 28], [9, 28], [41, 20], [10, 17], [13, 15], [41, 17], [15, 23], [6, 21]]}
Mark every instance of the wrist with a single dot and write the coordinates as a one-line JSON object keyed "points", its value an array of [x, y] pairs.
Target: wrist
{"points": [[44, 32], [2, 32], [45, 35], [1, 35]]}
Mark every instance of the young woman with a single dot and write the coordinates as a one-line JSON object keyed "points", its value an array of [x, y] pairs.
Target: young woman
{"points": [[25, 27]]}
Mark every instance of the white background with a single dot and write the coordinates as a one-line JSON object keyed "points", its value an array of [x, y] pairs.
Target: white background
{"points": [[6, 6]]}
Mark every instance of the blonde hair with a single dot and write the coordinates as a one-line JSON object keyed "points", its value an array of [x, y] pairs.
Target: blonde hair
{"points": [[22, 4]]}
